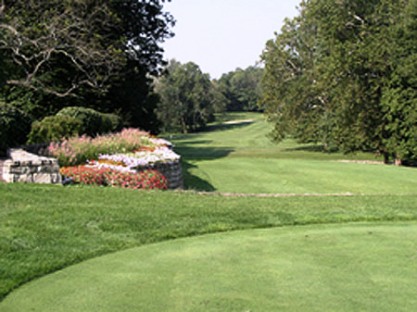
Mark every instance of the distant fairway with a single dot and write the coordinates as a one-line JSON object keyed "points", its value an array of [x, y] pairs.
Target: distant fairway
{"points": [[239, 158], [360, 267]]}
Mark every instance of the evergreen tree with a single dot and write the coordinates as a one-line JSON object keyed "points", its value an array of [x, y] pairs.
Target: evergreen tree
{"points": [[400, 96]]}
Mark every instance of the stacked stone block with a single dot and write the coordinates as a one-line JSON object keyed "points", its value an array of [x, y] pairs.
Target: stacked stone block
{"points": [[172, 171], [30, 168]]}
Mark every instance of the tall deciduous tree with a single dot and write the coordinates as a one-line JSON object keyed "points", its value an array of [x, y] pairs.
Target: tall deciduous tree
{"points": [[327, 70], [242, 88], [83, 52], [187, 98]]}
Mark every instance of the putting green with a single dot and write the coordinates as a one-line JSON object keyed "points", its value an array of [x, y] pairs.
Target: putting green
{"points": [[350, 267]]}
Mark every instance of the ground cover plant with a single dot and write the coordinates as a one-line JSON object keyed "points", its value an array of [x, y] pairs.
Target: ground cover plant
{"points": [[47, 228]]}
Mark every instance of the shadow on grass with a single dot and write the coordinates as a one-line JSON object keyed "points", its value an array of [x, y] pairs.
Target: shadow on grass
{"points": [[193, 182], [310, 148], [190, 153]]}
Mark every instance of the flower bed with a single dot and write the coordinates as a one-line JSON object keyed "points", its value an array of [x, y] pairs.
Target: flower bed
{"points": [[147, 179], [131, 158]]}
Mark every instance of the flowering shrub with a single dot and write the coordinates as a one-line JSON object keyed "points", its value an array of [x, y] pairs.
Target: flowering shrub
{"points": [[78, 150], [105, 176]]}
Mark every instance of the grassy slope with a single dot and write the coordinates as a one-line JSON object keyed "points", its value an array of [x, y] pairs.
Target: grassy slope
{"points": [[313, 268], [45, 228]]}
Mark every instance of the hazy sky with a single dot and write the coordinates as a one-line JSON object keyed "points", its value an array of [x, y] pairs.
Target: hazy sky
{"points": [[221, 35]]}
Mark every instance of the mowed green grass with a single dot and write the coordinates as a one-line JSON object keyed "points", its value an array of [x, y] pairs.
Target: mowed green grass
{"points": [[347, 266], [350, 267], [239, 158]]}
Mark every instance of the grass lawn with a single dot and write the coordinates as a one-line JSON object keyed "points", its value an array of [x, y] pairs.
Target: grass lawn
{"points": [[239, 158], [350, 267], [44, 229]]}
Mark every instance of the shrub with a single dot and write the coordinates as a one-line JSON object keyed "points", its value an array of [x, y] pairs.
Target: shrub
{"points": [[14, 127], [54, 129], [93, 122], [147, 179], [76, 151], [111, 123]]}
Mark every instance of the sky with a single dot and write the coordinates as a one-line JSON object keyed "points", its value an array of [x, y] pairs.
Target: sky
{"points": [[223, 35]]}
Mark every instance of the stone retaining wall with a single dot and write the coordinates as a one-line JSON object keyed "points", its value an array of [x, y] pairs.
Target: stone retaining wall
{"points": [[30, 168], [172, 172]]}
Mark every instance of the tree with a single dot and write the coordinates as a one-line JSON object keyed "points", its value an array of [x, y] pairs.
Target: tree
{"points": [[187, 98], [293, 97], [68, 37], [326, 72], [399, 99], [83, 53], [242, 88]]}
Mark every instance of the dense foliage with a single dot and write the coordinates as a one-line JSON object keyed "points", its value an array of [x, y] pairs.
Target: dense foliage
{"points": [[92, 121], [14, 125], [188, 99], [54, 129], [73, 122], [96, 54], [342, 73], [242, 89]]}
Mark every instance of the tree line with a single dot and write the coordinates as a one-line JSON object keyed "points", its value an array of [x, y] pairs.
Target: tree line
{"points": [[344, 73], [189, 99]]}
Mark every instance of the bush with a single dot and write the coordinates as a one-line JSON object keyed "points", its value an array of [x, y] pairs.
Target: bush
{"points": [[14, 127], [147, 179], [111, 123], [93, 122], [54, 129]]}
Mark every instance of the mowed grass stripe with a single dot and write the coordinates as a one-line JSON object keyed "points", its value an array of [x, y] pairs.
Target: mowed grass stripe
{"points": [[348, 267], [260, 175], [240, 158]]}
